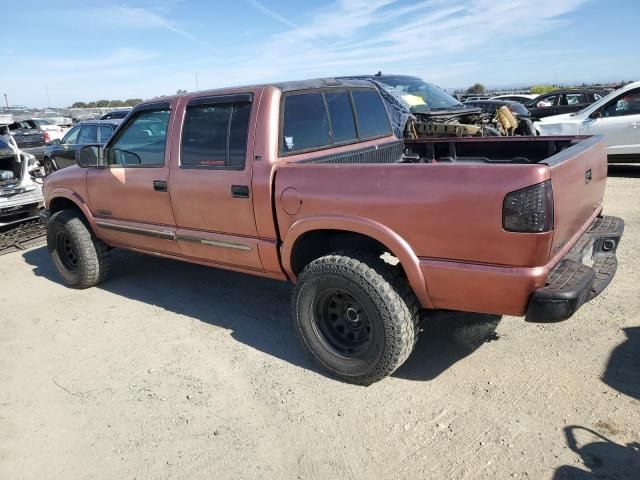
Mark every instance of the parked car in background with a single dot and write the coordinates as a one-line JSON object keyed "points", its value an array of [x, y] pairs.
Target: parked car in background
{"points": [[51, 130], [616, 116], [20, 193], [563, 101], [58, 119], [476, 97], [29, 137], [62, 153], [115, 114], [306, 181], [516, 97], [519, 111]]}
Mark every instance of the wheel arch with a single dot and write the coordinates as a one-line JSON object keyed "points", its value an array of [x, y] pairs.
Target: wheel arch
{"points": [[311, 238], [63, 199]]}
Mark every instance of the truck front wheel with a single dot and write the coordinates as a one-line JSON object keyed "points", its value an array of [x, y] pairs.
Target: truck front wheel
{"points": [[356, 315], [82, 260]]}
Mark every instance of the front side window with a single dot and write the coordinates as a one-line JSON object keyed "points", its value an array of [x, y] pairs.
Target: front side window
{"points": [[626, 104], [71, 137], [215, 135], [373, 119], [142, 140], [549, 101], [306, 124]]}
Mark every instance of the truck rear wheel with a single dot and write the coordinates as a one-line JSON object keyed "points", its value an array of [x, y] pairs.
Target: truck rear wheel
{"points": [[82, 260], [356, 315]]}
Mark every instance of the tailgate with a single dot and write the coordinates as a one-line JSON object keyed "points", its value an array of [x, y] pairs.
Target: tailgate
{"points": [[578, 179]]}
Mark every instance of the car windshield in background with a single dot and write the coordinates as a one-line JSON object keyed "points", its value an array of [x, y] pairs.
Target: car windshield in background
{"points": [[418, 94], [42, 122]]}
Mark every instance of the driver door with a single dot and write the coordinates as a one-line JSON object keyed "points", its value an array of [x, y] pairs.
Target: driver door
{"points": [[128, 194]]}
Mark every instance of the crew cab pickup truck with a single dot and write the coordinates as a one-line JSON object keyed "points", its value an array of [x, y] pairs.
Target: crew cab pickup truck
{"points": [[305, 182]]}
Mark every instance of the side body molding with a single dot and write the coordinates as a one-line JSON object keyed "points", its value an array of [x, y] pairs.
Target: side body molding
{"points": [[397, 246]]}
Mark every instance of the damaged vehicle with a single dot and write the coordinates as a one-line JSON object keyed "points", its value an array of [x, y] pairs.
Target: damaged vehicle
{"points": [[419, 109], [20, 190]]}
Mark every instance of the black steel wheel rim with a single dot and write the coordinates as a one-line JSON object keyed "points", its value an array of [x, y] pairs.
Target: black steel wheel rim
{"points": [[342, 323], [67, 251]]}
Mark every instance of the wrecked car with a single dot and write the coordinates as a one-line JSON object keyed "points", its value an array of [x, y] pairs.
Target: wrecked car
{"points": [[20, 192], [419, 109]]}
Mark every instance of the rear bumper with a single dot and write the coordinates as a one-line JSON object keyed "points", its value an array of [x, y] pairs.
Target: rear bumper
{"points": [[523, 291], [581, 275]]}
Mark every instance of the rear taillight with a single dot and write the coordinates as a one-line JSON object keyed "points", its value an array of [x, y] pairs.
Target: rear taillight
{"points": [[47, 138], [529, 210]]}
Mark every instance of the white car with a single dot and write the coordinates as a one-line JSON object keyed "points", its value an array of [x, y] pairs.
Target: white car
{"points": [[616, 116], [53, 131]]}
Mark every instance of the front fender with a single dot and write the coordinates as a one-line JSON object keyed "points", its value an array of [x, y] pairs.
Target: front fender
{"points": [[73, 197], [396, 245]]}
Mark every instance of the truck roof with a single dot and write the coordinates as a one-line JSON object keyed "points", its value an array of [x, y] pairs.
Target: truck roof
{"points": [[282, 86]]}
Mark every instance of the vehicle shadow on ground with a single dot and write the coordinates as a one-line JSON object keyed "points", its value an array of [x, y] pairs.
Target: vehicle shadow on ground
{"points": [[258, 311], [623, 368], [602, 458], [621, 170]]}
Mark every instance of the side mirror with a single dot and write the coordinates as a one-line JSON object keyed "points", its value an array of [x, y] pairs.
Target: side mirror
{"points": [[89, 156], [56, 141], [596, 114]]}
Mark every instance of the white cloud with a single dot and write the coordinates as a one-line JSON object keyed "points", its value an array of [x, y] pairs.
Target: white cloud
{"points": [[271, 13]]}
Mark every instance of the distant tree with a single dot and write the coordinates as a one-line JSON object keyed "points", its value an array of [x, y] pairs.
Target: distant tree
{"points": [[132, 102], [542, 89], [180, 92], [476, 88], [79, 105], [116, 103], [91, 105]]}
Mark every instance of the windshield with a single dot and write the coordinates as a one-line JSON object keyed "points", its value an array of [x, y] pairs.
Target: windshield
{"points": [[41, 122], [418, 94]]}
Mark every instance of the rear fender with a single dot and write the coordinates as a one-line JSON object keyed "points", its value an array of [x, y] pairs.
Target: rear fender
{"points": [[396, 245]]}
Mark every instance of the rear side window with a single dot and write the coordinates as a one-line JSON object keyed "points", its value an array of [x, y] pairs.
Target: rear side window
{"points": [[88, 134], [105, 133], [306, 124], [316, 120], [372, 115], [215, 135]]}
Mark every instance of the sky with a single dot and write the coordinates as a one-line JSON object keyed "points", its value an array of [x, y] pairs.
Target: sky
{"points": [[57, 52]]}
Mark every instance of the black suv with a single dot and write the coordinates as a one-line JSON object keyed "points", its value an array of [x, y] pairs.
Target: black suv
{"points": [[62, 153], [563, 101]]}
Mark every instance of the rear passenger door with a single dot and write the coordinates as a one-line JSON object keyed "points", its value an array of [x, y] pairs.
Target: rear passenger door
{"points": [[211, 181]]}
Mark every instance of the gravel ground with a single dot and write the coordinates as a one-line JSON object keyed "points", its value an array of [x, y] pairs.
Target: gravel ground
{"points": [[171, 370]]}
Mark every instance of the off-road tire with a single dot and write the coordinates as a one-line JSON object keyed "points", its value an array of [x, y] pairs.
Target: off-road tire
{"points": [[91, 253], [385, 294]]}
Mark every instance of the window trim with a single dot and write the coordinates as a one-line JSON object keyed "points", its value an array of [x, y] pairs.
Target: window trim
{"points": [[231, 99], [132, 115], [322, 90]]}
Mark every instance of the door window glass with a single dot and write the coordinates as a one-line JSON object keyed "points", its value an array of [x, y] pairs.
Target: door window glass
{"points": [[71, 137], [142, 140], [88, 134], [546, 101], [238, 131], [204, 135], [105, 133], [626, 104]]}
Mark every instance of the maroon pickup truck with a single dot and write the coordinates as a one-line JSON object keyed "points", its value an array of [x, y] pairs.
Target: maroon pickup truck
{"points": [[304, 181]]}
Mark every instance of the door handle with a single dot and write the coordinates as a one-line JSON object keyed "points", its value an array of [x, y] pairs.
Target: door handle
{"points": [[160, 185], [240, 191]]}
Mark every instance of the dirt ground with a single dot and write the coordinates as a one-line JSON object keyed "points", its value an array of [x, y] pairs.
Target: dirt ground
{"points": [[171, 370]]}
